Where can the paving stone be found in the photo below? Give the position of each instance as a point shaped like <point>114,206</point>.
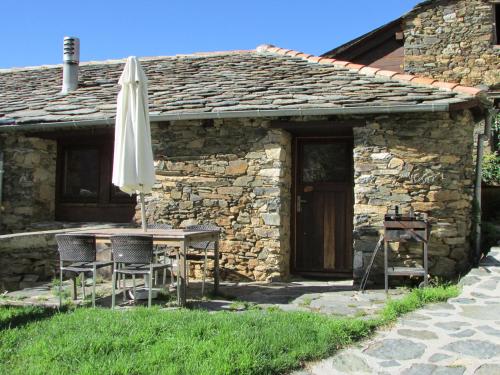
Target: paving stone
<point>469,280</point>
<point>449,370</point>
<point>463,301</point>
<point>465,333</point>
<point>439,313</point>
<point>489,330</point>
<point>420,369</point>
<point>474,348</point>
<point>416,316</point>
<point>488,284</point>
<point>391,363</point>
<point>480,295</point>
<point>440,306</point>
<point>452,326</point>
<point>488,369</point>
<point>397,349</point>
<point>350,363</point>
<point>420,334</point>
<point>438,357</point>
<point>427,369</point>
<point>411,323</point>
<point>490,312</point>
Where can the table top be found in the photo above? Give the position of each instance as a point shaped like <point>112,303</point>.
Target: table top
<point>175,234</point>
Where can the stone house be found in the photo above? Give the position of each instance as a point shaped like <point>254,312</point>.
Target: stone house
<point>296,157</point>
<point>447,40</point>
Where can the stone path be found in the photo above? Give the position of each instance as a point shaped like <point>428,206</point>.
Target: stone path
<point>328,297</point>
<point>459,337</point>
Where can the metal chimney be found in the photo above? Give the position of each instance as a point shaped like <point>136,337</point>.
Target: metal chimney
<point>71,58</point>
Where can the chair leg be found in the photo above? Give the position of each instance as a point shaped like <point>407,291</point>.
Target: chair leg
<point>156,271</point>
<point>178,278</point>
<point>165,269</point>
<point>124,287</point>
<point>150,291</point>
<point>94,271</point>
<point>133,287</point>
<point>60,283</point>
<point>74,288</point>
<point>204,275</point>
<point>82,277</point>
<point>171,273</point>
<point>113,285</point>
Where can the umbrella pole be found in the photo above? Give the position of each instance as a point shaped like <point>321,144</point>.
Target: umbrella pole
<point>143,213</point>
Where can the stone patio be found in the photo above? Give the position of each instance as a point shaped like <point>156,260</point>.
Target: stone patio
<point>459,337</point>
<point>328,297</point>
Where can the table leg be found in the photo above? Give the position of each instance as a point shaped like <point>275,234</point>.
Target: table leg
<point>74,289</point>
<point>216,266</point>
<point>182,275</point>
<point>386,266</point>
<point>426,264</point>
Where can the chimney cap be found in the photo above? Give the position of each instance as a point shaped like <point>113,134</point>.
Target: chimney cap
<point>71,49</point>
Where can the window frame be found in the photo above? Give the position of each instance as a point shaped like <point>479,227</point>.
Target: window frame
<point>108,205</point>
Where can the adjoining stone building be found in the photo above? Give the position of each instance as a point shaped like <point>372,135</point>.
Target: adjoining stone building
<point>296,157</point>
<point>448,40</point>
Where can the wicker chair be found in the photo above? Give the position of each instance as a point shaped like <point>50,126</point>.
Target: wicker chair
<point>79,251</point>
<point>203,246</point>
<point>133,255</point>
<point>159,250</point>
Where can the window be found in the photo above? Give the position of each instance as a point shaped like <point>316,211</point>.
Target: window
<point>84,189</point>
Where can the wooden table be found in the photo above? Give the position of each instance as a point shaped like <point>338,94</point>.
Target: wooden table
<point>172,237</point>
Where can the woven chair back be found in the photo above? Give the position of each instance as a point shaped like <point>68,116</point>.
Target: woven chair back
<point>132,249</point>
<point>159,226</point>
<point>201,245</point>
<point>76,247</point>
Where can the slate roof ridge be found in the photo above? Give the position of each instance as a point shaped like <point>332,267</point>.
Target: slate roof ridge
<point>371,71</point>
<point>123,60</point>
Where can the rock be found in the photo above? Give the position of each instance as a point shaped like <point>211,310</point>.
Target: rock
<point>465,333</point>
<point>452,326</point>
<point>474,348</point>
<point>396,349</point>
<point>438,357</point>
<point>490,312</point>
<point>271,219</point>
<point>237,167</point>
<point>489,330</point>
<point>427,369</point>
<point>420,334</point>
<point>350,363</point>
<point>488,369</point>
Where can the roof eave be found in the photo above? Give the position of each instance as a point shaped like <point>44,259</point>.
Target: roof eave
<point>292,112</point>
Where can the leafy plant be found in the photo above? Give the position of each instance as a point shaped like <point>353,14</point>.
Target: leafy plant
<point>491,168</point>
<point>491,161</point>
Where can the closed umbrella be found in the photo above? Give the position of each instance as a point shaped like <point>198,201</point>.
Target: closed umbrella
<point>133,169</point>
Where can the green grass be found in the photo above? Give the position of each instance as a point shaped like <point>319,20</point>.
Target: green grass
<point>142,341</point>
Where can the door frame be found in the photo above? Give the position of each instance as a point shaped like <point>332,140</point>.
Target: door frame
<point>296,163</point>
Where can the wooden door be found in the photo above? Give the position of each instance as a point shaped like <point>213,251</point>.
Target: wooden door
<point>323,206</point>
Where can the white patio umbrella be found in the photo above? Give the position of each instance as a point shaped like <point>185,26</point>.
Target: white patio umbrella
<point>133,169</point>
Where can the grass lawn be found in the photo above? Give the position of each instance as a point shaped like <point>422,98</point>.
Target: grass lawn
<point>142,341</point>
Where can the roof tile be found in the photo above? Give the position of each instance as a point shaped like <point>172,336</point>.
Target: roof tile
<point>369,70</point>
<point>212,82</point>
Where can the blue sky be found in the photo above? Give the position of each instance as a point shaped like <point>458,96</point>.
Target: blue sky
<point>32,30</point>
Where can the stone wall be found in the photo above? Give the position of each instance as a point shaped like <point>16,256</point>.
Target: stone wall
<point>28,183</point>
<point>235,173</point>
<point>424,162</point>
<point>453,40</point>
<point>25,259</point>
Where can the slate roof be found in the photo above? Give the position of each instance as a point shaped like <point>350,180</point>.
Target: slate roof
<point>265,79</point>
